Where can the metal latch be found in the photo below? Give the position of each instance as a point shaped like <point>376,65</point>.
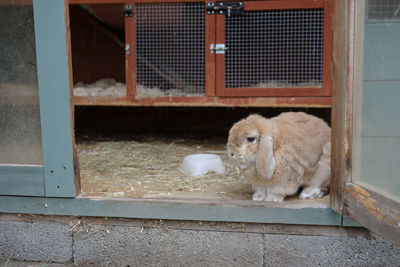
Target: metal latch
<point>128,10</point>
<point>227,8</point>
<point>218,48</point>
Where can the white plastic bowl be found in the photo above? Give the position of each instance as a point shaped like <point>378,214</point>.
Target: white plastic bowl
<point>200,164</point>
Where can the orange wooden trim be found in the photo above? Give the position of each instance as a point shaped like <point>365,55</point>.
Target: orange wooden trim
<point>220,58</point>
<point>327,49</point>
<point>206,101</point>
<point>210,57</point>
<point>130,58</point>
<point>280,5</point>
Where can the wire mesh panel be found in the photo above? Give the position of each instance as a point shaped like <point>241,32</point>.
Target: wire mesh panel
<point>170,49</point>
<point>275,49</point>
<point>383,10</point>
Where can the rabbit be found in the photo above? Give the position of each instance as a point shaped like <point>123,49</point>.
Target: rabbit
<point>282,154</point>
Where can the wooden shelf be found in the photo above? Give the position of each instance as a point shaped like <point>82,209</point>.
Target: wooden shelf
<point>323,102</point>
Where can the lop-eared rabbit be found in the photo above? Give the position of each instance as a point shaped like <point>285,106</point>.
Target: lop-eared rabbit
<point>282,154</point>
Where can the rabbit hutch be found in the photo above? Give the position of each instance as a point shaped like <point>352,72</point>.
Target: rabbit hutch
<point>118,92</point>
<point>184,72</point>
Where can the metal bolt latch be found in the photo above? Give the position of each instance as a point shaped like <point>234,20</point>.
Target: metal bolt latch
<point>218,48</point>
<point>227,8</point>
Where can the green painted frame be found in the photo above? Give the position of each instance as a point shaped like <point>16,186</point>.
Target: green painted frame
<point>25,180</point>
<point>54,96</point>
<point>56,177</point>
<point>246,211</point>
<point>54,186</point>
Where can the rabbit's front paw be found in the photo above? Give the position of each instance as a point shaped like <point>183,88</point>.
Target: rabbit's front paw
<point>274,198</point>
<point>259,194</point>
<point>311,193</point>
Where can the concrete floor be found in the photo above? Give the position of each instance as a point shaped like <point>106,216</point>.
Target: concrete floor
<point>70,241</point>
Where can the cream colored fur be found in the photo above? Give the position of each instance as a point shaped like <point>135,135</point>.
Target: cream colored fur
<point>282,154</point>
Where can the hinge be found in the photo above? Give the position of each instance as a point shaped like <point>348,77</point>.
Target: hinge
<point>227,8</point>
<point>128,10</point>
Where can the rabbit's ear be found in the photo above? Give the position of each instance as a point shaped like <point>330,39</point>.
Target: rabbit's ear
<point>265,162</point>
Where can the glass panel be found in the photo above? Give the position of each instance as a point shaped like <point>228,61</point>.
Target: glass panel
<point>170,49</point>
<point>378,129</point>
<point>275,48</point>
<point>20,134</point>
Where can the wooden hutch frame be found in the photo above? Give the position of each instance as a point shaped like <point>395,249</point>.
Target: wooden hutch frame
<point>216,94</point>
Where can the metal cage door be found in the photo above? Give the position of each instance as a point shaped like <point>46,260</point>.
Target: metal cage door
<point>274,48</point>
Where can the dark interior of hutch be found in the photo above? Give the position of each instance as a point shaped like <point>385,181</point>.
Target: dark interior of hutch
<point>154,82</point>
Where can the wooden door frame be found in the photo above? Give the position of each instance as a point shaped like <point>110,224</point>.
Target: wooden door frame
<point>343,43</point>
<point>58,176</point>
<point>377,213</point>
<point>54,69</point>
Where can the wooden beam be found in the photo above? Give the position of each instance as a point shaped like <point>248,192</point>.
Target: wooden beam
<point>210,21</point>
<point>77,181</point>
<point>54,95</point>
<point>327,49</point>
<point>130,56</point>
<point>239,211</point>
<point>380,215</point>
<point>342,40</point>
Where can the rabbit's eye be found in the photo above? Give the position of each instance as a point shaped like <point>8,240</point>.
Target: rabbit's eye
<point>251,139</point>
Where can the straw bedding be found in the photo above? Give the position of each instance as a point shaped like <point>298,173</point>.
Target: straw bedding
<point>112,88</point>
<point>147,167</point>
